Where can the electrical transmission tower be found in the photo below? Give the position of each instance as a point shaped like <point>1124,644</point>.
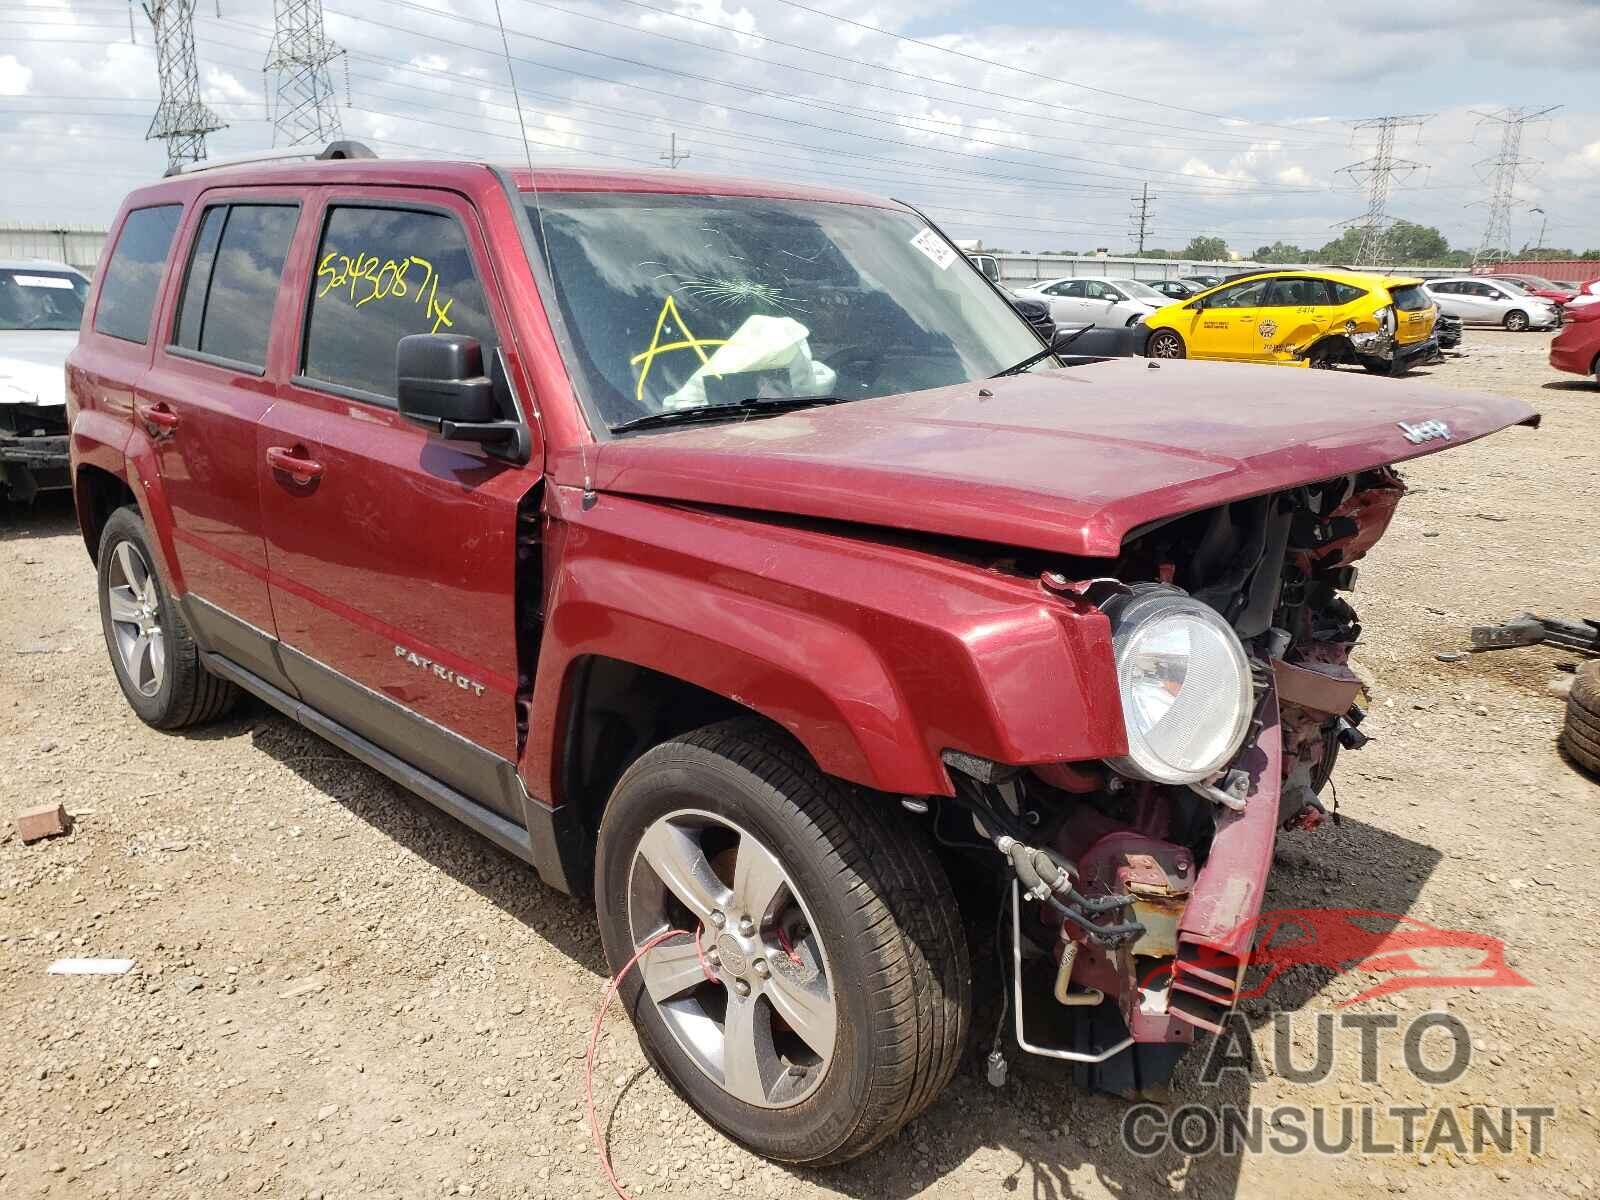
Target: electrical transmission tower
<point>1141,215</point>
<point>182,119</point>
<point>1380,171</point>
<point>671,156</point>
<point>1505,172</point>
<point>304,108</point>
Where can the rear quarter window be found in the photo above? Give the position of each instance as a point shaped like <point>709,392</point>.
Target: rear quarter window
<point>1344,293</point>
<point>381,274</point>
<point>133,275</point>
<point>235,271</point>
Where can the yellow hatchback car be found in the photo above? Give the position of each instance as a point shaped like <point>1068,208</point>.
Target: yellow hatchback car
<point>1302,318</point>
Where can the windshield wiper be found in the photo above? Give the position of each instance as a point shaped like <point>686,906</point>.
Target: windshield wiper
<point>1057,345</point>
<point>750,406</point>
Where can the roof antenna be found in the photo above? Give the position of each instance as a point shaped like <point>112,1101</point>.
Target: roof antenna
<point>516,98</point>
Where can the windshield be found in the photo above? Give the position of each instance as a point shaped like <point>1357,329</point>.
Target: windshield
<point>1538,281</point>
<point>676,302</point>
<point>41,299</point>
<point>1512,286</point>
<point>1139,291</point>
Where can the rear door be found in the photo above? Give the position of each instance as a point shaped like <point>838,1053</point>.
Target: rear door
<point>1294,315</point>
<point>392,554</point>
<point>206,390</point>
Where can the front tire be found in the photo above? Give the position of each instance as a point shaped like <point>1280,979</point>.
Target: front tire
<point>152,652</point>
<point>1516,321</point>
<point>1165,343</point>
<point>833,1004</point>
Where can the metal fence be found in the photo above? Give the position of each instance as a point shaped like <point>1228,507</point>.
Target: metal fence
<point>1023,269</point>
<point>76,245</point>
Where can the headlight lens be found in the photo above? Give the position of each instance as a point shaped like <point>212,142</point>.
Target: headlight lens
<point>1185,685</point>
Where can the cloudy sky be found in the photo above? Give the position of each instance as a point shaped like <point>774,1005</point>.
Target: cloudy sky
<point>1028,126</point>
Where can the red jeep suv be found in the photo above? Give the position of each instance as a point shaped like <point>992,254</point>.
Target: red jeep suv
<point>737,552</point>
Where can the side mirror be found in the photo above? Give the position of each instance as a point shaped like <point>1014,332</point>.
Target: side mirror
<point>1197,305</point>
<point>442,387</point>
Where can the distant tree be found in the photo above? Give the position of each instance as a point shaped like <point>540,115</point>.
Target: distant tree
<point>1590,254</point>
<point>1406,244</point>
<point>1281,252</point>
<point>1206,249</point>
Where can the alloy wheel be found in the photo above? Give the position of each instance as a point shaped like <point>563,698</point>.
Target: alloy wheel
<point>1165,346</point>
<point>749,997</point>
<point>135,608</point>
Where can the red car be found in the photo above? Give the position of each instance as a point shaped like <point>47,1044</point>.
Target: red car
<point>1577,347</point>
<point>736,553</point>
<point>1556,293</point>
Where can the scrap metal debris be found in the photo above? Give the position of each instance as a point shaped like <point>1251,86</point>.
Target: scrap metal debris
<point>1532,630</point>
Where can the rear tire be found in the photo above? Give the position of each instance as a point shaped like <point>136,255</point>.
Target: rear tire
<point>1165,343</point>
<point>1516,321</point>
<point>152,652</point>
<point>874,929</point>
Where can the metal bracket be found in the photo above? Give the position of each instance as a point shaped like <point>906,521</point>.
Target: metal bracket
<point>1016,985</point>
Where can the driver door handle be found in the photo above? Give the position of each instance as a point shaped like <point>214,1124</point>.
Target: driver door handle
<point>157,417</point>
<point>294,463</point>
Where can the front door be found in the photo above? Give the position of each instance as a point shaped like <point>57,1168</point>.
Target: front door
<point>393,555</point>
<point>206,389</point>
<point>1229,325</point>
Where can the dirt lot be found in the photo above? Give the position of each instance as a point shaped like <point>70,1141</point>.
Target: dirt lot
<point>340,992</point>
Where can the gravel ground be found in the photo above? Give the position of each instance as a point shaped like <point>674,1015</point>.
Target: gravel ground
<point>339,992</point>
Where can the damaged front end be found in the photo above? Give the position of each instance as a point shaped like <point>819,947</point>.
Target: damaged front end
<point>1134,884</point>
<point>33,450</point>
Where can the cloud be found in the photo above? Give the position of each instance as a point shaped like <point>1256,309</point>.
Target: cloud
<point>15,79</point>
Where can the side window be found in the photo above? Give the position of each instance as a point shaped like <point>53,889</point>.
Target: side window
<point>384,273</point>
<point>1444,289</point>
<point>1096,290</point>
<point>1296,293</point>
<point>197,281</point>
<point>1344,293</point>
<point>133,276</point>
<point>234,275</point>
<point>1245,295</point>
<point>1076,289</point>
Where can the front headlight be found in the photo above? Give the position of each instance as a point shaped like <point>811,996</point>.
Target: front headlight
<point>1185,685</point>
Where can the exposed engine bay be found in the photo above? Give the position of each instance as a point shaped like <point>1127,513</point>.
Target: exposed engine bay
<point>1145,891</point>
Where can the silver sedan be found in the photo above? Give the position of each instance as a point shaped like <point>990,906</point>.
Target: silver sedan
<point>1493,302</point>
<point>1099,302</point>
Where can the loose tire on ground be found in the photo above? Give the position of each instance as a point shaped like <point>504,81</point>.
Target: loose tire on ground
<point>162,676</point>
<point>1165,343</point>
<point>879,911</point>
<point>1580,737</point>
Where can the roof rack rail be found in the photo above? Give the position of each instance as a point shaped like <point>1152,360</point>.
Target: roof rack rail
<point>333,150</point>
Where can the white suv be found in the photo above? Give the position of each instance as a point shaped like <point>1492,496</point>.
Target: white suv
<point>41,305</point>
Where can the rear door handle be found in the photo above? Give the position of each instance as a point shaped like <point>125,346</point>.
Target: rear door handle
<point>157,416</point>
<point>293,463</point>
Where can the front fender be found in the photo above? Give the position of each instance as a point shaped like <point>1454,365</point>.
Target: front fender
<point>876,657</point>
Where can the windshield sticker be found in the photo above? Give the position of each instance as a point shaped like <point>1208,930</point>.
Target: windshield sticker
<point>670,325</point>
<point>373,278</point>
<point>43,281</point>
<point>934,247</point>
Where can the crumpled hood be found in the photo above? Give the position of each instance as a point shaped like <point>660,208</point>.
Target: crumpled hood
<point>33,365</point>
<point>1067,460</point>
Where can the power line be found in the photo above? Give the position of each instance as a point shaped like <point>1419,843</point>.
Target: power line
<point>859,112</point>
<point>900,37</point>
<point>1380,170</point>
<point>181,119</point>
<point>1505,172</point>
<point>304,108</point>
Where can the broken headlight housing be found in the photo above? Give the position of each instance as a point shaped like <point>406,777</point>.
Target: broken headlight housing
<point>1185,684</point>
